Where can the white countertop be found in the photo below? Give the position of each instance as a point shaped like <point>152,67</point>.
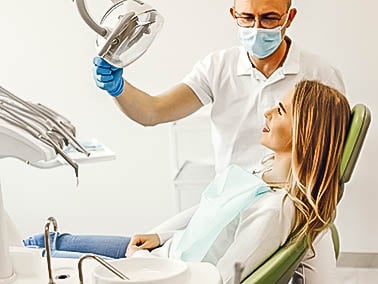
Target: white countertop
<point>67,271</point>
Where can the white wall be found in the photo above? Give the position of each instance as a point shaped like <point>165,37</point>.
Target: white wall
<point>46,54</point>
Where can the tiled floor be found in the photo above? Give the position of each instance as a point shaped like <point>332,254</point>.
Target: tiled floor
<point>350,275</point>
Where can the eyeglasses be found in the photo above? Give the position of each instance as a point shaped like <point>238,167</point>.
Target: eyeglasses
<point>266,21</point>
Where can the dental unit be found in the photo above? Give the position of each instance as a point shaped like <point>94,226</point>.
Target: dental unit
<point>43,138</point>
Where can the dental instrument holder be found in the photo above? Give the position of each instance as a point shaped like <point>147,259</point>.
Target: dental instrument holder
<point>126,30</point>
<point>30,132</point>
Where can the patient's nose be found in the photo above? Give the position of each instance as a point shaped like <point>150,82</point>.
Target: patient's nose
<point>268,113</point>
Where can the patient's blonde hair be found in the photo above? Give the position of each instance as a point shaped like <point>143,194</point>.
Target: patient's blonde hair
<point>320,122</point>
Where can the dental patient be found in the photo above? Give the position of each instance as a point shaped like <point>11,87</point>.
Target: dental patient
<point>245,217</point>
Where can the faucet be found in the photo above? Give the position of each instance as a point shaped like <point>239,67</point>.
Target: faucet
<point>47,245</point>
<point>103,262</point>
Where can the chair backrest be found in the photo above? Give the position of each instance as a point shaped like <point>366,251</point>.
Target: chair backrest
<point>358,127</point>
<point>280,267</point>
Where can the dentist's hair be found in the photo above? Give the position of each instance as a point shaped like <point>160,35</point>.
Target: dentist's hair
<point>320,123</point>
<point>287,1</point>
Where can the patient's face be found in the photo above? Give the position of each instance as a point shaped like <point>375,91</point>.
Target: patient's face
<point>277,133</point>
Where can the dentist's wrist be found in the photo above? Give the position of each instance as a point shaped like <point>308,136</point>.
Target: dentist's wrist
<point>118,90</point>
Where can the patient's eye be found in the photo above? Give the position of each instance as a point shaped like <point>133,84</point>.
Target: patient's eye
<point>279,111</point>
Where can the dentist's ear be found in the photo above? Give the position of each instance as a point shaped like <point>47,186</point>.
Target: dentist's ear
<point>232,12</point>
<point>292,13</point>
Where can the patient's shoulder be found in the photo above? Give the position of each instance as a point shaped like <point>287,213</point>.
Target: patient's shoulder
<point>275,202</point>
<point>274,212</point>
<point>275,199</point>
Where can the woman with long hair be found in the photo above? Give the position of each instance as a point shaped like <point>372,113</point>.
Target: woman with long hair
<point>245,217</point>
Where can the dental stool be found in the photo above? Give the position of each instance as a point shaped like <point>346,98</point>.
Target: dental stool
<point>280,267</point>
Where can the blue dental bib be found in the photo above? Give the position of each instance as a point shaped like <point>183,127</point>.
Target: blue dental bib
<point>224,198</point>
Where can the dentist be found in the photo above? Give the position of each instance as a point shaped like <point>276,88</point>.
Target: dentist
<point>240,82</point>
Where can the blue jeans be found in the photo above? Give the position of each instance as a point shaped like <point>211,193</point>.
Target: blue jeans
<point>75,246</point>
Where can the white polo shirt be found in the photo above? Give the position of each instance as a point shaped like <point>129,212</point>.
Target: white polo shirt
<point>240,95</point>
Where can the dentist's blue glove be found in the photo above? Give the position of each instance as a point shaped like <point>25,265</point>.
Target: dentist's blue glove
<point>107,76</point>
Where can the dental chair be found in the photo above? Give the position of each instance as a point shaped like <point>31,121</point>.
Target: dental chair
<point>280,267</point>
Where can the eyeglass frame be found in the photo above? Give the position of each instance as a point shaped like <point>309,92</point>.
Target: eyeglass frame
<point>258,19</point>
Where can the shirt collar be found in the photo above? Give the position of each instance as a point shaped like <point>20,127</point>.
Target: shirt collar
<point>290,66</point>
<point>244,66</point>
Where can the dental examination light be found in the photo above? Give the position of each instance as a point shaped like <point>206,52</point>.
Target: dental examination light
<point>126,30</point>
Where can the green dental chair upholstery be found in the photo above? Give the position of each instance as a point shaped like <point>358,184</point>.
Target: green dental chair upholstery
<point>280,267</point>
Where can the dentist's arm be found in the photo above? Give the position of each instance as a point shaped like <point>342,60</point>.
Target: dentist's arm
<point>141,107</point>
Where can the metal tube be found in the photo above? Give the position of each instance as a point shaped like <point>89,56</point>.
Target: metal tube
<point>47,245</point>
<point>81,6</point>
<point>67,133</point>
<point>104,263</point>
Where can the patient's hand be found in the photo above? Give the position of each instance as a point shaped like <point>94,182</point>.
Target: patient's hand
<point>139,242</point>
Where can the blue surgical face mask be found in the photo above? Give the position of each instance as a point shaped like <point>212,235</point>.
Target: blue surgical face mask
<point>260,42</point>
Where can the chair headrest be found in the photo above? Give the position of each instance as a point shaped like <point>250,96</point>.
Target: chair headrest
<point>359,124</point>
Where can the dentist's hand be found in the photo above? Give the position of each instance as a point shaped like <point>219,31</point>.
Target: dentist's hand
<point>107,76</point>
<point>139,242</point>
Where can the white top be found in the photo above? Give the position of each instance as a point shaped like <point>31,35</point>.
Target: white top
<point>250,238</point>
<point>240,95</point>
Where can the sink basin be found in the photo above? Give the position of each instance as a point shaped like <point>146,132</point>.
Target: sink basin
<point>144,270</point>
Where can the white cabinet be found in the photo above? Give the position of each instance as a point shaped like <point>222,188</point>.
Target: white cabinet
<point>192,158</point>
<point>191,179</point>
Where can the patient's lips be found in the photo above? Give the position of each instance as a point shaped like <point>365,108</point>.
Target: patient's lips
<point>266,129</point>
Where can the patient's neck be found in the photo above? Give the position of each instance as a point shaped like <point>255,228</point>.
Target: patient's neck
<point>279,171</point>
